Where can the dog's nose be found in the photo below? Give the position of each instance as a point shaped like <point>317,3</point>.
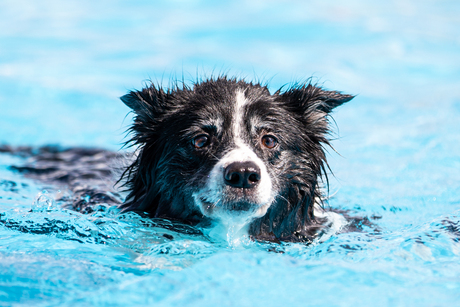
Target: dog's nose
<point>242,175</point>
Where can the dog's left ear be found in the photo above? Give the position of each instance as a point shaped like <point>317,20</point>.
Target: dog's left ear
<point>311,99</point>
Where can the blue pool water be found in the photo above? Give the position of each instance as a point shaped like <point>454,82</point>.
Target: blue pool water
<point>63,65</point>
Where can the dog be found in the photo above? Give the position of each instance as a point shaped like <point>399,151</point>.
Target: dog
<point>228,151</point>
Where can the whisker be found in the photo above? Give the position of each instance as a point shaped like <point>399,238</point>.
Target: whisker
<point>282,197</point>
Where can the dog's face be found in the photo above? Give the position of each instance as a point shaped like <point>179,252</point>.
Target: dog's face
<point>237,142</point>
<point>228,150</point>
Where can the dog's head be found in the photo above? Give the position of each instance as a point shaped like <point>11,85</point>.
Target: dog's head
<point>230,150</point>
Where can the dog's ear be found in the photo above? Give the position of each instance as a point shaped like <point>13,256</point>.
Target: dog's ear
<point>147,104</point>
<point>311,99</point>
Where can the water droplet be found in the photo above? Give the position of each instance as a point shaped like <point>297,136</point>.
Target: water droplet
<point>44,202</point>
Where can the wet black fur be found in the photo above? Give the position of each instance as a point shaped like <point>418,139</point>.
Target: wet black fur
<point>168,169</point>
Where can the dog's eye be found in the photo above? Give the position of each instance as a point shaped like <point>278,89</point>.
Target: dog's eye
<point>269,141</point>
<point>200,141</point>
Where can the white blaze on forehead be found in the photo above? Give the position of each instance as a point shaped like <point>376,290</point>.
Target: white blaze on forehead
<point>238,118</point>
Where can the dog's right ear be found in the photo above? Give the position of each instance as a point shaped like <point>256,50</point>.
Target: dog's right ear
<point>147,104</point>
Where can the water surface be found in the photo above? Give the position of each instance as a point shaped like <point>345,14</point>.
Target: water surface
<point>64,65</point>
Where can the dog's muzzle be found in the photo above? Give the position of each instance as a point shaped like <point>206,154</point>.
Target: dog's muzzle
<point>238,186</point>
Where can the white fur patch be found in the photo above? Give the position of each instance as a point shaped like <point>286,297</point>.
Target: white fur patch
<point>335,222</point>
<point>238,122</point>
<point>243,154</point>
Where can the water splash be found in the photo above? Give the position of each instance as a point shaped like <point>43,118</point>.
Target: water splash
<point>44,202</point>
<point>237,235</point>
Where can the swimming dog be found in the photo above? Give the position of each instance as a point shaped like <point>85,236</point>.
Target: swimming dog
<point>228,150</point>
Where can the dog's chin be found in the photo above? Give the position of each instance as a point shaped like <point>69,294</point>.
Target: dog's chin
<point>237,212</point>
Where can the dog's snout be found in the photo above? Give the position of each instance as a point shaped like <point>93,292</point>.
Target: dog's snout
<point>242,175</point>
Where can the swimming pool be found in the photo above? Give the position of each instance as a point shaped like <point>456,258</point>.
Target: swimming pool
<point>62,67</point>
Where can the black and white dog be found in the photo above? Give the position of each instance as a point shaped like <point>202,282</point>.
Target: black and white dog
<point>229,151</point>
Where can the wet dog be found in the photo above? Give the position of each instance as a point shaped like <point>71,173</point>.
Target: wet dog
<point>229,151</point>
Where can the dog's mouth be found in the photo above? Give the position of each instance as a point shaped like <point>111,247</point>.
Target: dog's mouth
<point>240,209</point>
<point>236,207</point>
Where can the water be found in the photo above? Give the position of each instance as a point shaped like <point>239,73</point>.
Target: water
<point>62,67</point>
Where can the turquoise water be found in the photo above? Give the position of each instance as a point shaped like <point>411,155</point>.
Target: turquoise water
<point>64,65</point>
